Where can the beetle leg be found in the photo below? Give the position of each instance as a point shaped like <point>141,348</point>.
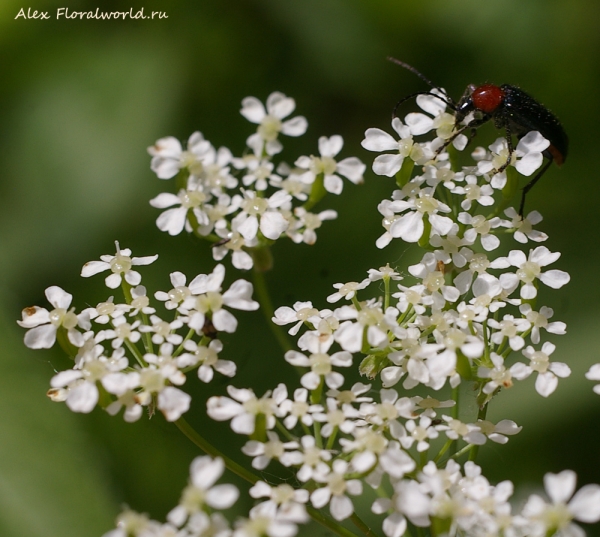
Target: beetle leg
<point>450,140</point>
<point>529,185</point>
<point>474,125</point>
<point>509,144</point>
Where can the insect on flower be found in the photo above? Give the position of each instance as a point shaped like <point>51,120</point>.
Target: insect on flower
<point>511,109</point>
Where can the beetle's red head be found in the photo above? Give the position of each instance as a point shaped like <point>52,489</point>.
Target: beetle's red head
<point>487,98</point>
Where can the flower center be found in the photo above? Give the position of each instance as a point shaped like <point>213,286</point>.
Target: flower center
<point>320,363</point>
<point>120,263</point>
<point>179,294</point>
<point>529,271</point>
<point>426,204</point>
<point>434,280</point>
<point>269,128</point>
<point>192,198</point>
<point>255,206</point>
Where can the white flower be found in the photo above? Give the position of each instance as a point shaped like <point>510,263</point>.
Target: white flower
<point>498,433</point>
<point>511,329</point>
<point>346,290</point>
<point>303,312</point>
<point>351,168</point>
<point>177,295</point>
<point>202,491</point>
<point>409,501</point>
<point>264,452</point>
<point>283,496</point>
<point>480,225</point>
<point>270,122</point>
<point>208,358</point>
<point>527,157</point>
<point>81,393</point>
<point>540,320</point>
<point>120,264</point>
<point>168,157</point>
<point>174,220</point>
<point>594,374</point>
<point>378,140</point>
<point>206,299</point>
<point>334,493</point>
<point>163,331</point>
<point>311,459</point>
<point>524,226</point>
<point>556,518</point>
<point>260,173</point>
<point>234,242</point>
<point>172,402</point>
<point>455,429</point>
<point>266,519</point>
<point>261,213</point>
<point>140,302</point>
<point>44,324</point>
<point>370,319</point>
<point>433,279</point>
<point>410,227</point>
<point>123,385</point>
<point>548,372</point>
<point>78,387</point>
<point>474,192</point>
<point>122,331</point>
<point>420,434</point>
<point>499,375</point>
<point>529,270</point>
<point>297,409</point>
<point>242,410</point>
<point>321,365</point>
<point>529,152</point>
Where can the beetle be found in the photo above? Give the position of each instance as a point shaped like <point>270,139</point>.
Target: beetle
<point>511,109</point>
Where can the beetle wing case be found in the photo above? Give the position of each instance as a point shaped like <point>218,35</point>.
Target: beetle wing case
<point>525,114</point>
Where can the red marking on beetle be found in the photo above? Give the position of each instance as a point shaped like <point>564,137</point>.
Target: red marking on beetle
<point>559,158</point>
<point>487,97</point>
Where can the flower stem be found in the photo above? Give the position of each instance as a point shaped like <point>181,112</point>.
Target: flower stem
<point>328,523</point>
<point>356,520</point>
<point>266,305</point>
<point>211,450</point>
<point>480,416</point>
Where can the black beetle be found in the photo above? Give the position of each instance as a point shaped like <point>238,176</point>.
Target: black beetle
<point>511,109</point>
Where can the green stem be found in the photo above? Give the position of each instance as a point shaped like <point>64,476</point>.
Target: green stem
<point>331,439</point>
<point>136,353</point>
<point>317,192</point>
<point>455,414</point>
<point>328,523</point>
<point>480,416</point>
<point>464,450</point>
<point>356,520</point>
<point>445,448</point>
<point>211,450</point>
<point>386,300</point>
<point>266,305</point>
<point>179,349</point>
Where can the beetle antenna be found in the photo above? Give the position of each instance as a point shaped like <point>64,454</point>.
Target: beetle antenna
<point>413,70</point>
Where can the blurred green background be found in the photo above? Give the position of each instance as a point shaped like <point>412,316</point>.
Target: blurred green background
<point>81,100</point>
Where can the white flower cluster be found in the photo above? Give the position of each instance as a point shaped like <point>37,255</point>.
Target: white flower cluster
<point>461,315</point>
<point>198,512</point>
<point>463,318</point>
<point>240,203</point>
<point>463,299</point>
<point>127,350</point>
<point>462,503</point>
